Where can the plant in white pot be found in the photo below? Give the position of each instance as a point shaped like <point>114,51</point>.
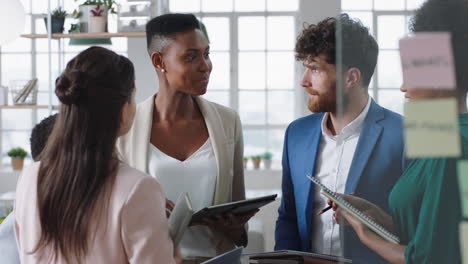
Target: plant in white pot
<point>98,22</point>
<point>17,156</point>
<point>266,157</point>
<point>85,13</point>
<point>245,161</point>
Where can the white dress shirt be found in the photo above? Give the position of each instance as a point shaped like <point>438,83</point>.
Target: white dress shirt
<point>197,176</point>
<point>334,159</point>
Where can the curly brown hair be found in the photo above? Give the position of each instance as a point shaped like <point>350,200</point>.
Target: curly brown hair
<point>359,48</point>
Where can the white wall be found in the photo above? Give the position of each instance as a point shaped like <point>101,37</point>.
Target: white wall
<point>8,181</point>
<point>311,12</point>
<point>146,78</point>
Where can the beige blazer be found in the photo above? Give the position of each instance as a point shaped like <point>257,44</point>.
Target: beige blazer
<point>133,229</point>
<point>225,131</point>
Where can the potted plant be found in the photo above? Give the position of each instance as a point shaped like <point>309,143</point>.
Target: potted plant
<point>97,22</point>
<point>57,20</point>
<point>75,27</point>
<point>85,12</point>
<point>17,156</point>
<point>256,161</point>
<point>245,160</point>
<point>267,159</point>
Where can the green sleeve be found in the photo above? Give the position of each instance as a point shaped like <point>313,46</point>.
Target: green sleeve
<point>436,236</point>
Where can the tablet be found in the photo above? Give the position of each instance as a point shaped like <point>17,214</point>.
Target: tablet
<point>230,257</point>
<point>235,208</point>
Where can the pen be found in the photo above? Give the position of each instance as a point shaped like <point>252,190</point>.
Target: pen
<point>324,210</point>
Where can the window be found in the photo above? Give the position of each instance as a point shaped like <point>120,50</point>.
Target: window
<point>24,59</point>
<point>388,21</point>
<point>252,45</point>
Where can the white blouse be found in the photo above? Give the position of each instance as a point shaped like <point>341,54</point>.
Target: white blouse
<point>197,176</point>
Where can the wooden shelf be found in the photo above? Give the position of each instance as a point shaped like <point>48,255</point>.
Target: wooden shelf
<point>88,35</point>
<point>55,107</point>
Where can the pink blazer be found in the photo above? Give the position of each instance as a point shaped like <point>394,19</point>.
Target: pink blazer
<point>134,230</point>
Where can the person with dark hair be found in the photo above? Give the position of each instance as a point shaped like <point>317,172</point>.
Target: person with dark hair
<point>40,134</point>
<point>80,203</point>
<point>425,202</point>
<point>350,143</point>
<point>186,142</point>
<point>38,139</point>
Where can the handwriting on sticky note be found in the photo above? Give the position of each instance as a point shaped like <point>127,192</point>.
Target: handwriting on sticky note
<point>462,171</point>
<point>430,61</point>
<point>431,128</point>
<point>427,61</point>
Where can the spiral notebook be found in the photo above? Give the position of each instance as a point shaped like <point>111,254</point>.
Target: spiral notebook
<point>363,218</point>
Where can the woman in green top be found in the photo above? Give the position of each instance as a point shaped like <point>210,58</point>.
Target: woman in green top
<point>425,202</point>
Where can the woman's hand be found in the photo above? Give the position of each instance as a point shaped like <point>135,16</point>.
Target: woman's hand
<point>230,225</point>
<point>360,229</point>
<point>371,210</point>
<point>393,253</point>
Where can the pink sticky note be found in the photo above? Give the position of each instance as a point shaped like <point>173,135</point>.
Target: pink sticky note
<point>427,61</point>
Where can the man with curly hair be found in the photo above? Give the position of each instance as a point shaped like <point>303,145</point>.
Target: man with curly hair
<point>350,143</point>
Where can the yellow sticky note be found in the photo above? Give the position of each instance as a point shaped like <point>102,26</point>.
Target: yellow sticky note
<point>431,128</point>
<point>462,172</point>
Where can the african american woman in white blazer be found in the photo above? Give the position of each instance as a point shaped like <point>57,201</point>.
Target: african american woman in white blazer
<point>186,142</point>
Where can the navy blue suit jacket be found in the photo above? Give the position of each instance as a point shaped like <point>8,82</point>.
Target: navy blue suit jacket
<point>377,164</point>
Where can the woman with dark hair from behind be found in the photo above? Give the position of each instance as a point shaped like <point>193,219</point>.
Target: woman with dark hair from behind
<point>80,204</point>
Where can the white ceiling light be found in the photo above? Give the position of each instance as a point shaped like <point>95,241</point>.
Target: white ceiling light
<point>12,20</point>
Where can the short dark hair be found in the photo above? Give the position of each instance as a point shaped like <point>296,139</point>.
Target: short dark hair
<point>40,134</point>
<point>359,48</point>
<point>447,16</point>
<point>164,27</point>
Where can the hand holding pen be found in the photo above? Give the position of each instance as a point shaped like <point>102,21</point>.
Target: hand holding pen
<point>324,209</point>
<point>331,205</point>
